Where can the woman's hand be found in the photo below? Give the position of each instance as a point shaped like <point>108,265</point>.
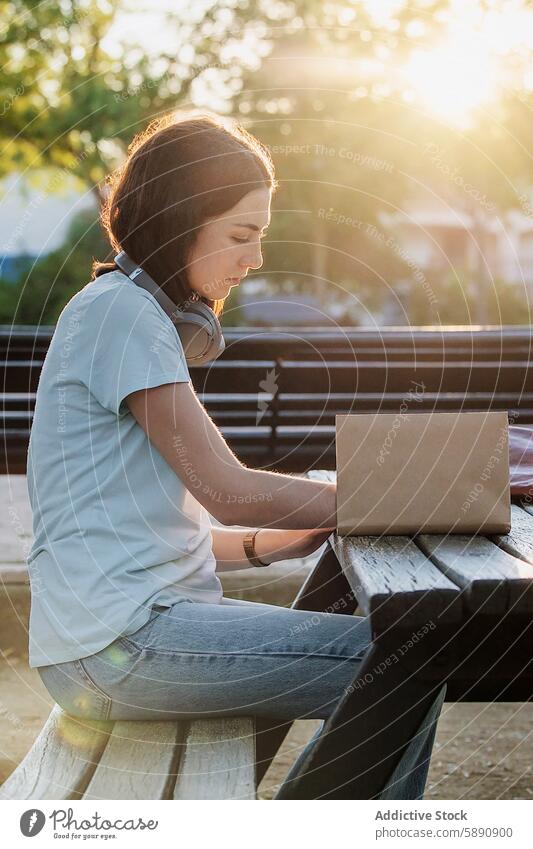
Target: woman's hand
<point>272,545</point>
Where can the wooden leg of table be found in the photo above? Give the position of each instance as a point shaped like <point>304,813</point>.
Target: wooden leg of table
<point>326,589</point>
<point>359,753</point>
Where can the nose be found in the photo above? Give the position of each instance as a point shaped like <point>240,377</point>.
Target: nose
<point>255,258</point>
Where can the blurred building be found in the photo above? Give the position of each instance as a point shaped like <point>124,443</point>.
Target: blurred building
<point>34,218</point>
<point>445,239</point>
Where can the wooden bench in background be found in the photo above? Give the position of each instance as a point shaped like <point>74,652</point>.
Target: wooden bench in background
<point>275,393</point>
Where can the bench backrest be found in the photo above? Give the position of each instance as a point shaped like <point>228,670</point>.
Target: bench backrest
<point>275,392</point>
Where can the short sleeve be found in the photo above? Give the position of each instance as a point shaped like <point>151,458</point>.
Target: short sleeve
<point>131,344</point>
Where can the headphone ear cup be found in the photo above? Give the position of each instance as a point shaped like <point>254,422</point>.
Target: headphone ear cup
<point>200,334</point>
<point>197,325</point>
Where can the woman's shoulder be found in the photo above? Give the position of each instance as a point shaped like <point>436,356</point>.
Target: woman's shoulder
<point>114,285</point>
<point>112,294</point>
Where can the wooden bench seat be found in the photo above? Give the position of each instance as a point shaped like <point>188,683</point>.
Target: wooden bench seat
<point>81,759</point>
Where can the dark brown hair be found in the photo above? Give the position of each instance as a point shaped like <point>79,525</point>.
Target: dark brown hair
<point>179,172</point>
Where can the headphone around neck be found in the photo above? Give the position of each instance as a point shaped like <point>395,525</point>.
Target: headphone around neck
<point>196,324</point>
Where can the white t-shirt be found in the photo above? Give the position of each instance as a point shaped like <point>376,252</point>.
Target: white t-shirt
<point>115,530</point>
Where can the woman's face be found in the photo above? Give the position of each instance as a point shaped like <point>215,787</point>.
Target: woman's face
<point>229,245</point>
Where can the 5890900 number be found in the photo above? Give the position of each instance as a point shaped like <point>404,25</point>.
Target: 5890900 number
<point>489,831</point>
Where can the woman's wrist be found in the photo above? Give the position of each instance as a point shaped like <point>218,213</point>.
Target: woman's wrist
<point>273,544</point>
<point>270,545</point>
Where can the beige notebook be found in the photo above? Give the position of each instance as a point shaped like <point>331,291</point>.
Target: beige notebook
<point>423,472</point>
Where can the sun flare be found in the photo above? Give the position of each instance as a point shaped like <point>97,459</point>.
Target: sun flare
<point>452,80</point>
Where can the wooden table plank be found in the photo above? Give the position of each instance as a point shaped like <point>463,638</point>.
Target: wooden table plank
<point>492,579</point>
<point>61,761</point>
<point>139,761</point>
<point>219,760</point>
<point>527,506</point>
<point>519,541</point>
<point>395,583</point>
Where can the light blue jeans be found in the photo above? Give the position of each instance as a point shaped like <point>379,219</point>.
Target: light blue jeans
<point>196,660</point>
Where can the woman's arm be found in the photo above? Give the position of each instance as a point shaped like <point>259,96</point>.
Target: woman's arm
<point>270,546</point>
<point>180,428</point>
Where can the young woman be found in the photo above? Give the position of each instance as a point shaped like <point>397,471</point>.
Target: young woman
<point>128,620</point>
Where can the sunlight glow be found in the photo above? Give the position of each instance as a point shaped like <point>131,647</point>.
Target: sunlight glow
<point>453,79</point>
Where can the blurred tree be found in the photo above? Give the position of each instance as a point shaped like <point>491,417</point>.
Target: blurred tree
<point>323,84</point>
<point>351,137</point>
<point>71,100</point>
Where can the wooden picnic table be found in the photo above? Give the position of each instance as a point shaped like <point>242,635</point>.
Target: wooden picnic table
<point>451,619</point>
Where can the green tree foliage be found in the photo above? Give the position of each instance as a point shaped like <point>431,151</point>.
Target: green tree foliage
<point>321,85</point>
<point>72,100</point>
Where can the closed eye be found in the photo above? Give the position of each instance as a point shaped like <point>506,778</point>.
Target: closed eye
<point>244,241</point>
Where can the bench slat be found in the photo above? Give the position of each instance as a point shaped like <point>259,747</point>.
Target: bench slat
<point>470,376</point>
<point>139,762</point>
<point>395,583</point>
<point>62,760</point>
<point>219,760</point>
<point>493,580</point>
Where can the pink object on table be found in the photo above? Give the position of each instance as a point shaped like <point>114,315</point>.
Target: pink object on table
<point>521,459</point>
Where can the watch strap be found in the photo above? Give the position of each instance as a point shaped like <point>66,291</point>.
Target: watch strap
<point>249,548</point>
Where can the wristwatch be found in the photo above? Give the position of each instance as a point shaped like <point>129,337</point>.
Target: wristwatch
<point>249,548</point>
